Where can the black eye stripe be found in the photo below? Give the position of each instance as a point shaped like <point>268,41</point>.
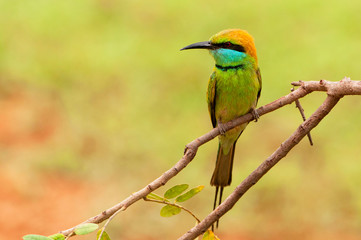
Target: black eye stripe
<point>230,45</point>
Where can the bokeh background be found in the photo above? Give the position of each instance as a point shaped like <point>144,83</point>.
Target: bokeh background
<point>96,100</point>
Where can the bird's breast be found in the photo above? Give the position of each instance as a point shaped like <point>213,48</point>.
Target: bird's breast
<point>236,93</point>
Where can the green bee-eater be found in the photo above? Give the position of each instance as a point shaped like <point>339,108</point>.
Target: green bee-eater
<point>233,90</point>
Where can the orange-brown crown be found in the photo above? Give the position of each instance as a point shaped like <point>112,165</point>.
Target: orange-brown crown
<point>238,37</point>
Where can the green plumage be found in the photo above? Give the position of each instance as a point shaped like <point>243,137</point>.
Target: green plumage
<point>231,93</point>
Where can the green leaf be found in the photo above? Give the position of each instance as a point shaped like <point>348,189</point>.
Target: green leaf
<point>189,194</point>
<point>57,236</point>
<point>209,235</point>
<point>169,210</point>
<point>105,235</point>
<point>155,197</point>
<point>175,191</point>
<point>85,228</point>
<point>35,237</point>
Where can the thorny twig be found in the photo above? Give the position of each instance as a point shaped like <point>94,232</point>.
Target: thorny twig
<point>302,112</point>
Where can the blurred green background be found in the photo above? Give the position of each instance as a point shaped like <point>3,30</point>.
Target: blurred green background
<point>96,100</point>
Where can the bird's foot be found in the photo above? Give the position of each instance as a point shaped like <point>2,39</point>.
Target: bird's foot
<point>222,128</point>
<point>255,114</point>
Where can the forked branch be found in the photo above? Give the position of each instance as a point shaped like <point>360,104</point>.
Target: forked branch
<point>257,174</point>
<point>335,91</point>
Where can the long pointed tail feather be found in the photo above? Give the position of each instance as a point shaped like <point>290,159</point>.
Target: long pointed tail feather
<point>222,175</point>
<point>215,204</point>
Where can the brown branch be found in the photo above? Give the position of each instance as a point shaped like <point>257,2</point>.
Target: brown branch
<point>335,91</point>
<point>344,87</point>
<point>341,88</point>
<point>257,174</point>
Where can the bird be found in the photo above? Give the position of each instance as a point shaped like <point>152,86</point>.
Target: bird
<point>233,90</point>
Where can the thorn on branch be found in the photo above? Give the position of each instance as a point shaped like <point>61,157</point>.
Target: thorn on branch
<point>190,150</point>
<point>299,83</point>
<point>346,79</point>
<point>322,82</point>
<point>302,112</point>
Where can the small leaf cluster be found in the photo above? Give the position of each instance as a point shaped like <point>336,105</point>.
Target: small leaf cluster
<point>81,229</point>
<point>172,208</point>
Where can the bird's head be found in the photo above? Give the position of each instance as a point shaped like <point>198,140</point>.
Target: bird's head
<point>229,47</point>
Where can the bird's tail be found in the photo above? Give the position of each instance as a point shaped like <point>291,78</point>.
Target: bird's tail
<point>222,175</point>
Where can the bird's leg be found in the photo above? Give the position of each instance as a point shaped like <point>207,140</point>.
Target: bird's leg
<point>255,114</point>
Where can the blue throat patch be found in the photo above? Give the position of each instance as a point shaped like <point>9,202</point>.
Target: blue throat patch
<point>228,57</point>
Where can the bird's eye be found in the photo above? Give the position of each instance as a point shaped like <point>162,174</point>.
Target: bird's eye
<point>227,44</point>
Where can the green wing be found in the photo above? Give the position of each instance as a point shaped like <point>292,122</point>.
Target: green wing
<point>211,99</point>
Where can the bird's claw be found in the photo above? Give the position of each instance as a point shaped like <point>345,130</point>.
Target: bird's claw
<point>221,128</point>
<point>255,115</point>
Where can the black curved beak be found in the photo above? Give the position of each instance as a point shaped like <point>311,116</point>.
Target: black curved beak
<point>199,45</point>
